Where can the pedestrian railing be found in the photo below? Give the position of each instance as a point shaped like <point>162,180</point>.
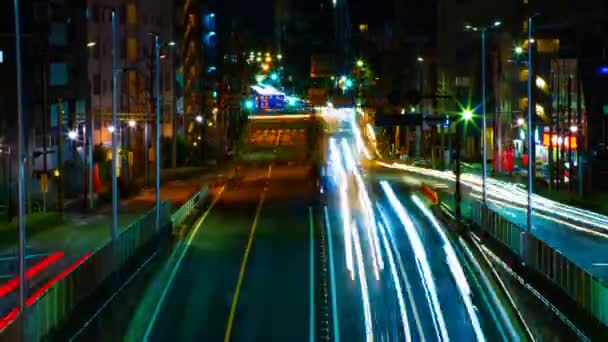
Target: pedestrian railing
<point>53,304</point>
<point>180,215</point>
<point>588,291</point>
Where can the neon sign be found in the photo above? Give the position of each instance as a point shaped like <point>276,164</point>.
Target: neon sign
<point>569,142</point>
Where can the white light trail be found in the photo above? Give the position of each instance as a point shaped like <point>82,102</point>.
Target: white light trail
<point>420,254</point>
<point>280,117</point>
<point>455,268</point>
<point>371,229</point>
<point>359,140</point>
<point>369,330</point>
<point>340,178</point>
<point>505,192</point>
<point>398,290</point>
<point>408,286</point>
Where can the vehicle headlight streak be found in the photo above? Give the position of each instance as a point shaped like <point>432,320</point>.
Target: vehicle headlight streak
<point>422,262</point>
<point>402,311</point>
<point>369,330</point>
<point>455,269</point>
<point>359,140</point>
<point>408,286</point>
<point>340,177</point>
<point>371,229</point>
<point>509,192</point>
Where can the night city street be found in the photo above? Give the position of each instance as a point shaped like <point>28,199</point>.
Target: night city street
<point>282,170</point>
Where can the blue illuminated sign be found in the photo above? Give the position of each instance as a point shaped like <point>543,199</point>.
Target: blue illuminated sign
<point>603,70</point>
<point>270,101</point>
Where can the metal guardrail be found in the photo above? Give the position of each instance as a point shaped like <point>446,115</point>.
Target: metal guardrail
<point>78,282</point>
<point>588,291</point>
<point>180,215</point>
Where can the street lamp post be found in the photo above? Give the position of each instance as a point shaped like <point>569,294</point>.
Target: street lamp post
<point>21,180</point>
<point>172,111</point>
<point>531,142</point>
<point>484,160</point>
<point>157,149</point>
<point>114,124</point>
<point>418,132</point>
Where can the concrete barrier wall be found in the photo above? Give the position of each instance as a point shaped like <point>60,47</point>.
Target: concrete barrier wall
<point>586,290</point>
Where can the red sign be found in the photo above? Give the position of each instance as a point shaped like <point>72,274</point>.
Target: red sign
<point>569,142</point>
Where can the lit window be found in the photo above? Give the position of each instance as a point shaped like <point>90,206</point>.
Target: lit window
<point>131,14</point>
<point>131,49</point>
<point>363,27</point>
<point>58,74</point>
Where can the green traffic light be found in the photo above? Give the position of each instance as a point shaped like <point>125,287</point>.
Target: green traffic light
<point>249,104</point>
<point>519,50</point>
<point>274,76</point>
<point>467,114</point>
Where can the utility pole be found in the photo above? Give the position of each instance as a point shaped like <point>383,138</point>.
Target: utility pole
<point>531,146</point>
<point>484,166</point>
<point>570,134</point>
<point>579,120</point>
<point>157,149</point>
<point>44,124</point>
<point>60,155</point>
<point>457,190</point>
<point>21,184</point>
<point>114,128</point>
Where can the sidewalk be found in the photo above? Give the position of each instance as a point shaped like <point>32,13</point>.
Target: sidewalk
<point>81,232</point>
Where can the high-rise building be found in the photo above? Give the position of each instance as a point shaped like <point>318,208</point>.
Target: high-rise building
<point>54,67</point>
<point>135,20</point>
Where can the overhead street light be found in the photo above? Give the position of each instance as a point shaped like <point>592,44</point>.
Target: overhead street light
<point>360,63</point>
<point>199,119</point>
<point>72,135</point>
<point>484,161</point>
<point>131,123</point>
<point>91,44</point>
<point>420,59</point>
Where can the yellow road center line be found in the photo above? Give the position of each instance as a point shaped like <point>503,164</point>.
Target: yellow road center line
<point>239,281</point>
<point>193,233</point>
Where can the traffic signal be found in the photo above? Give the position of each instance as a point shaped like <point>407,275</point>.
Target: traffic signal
<point>249,104</point>
<point>467,114</point>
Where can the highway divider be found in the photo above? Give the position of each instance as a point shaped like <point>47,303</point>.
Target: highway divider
<point>179,217</point>
<point>587,291</point>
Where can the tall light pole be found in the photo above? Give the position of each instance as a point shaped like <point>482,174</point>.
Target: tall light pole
<point>531,145</point>
<point>484,166</point>
<point>114,125</point>
<point>418,132</point>
<point>89,144</point>
<point>172,102</point>
<point>157,149</point>
<point>20,155</point>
